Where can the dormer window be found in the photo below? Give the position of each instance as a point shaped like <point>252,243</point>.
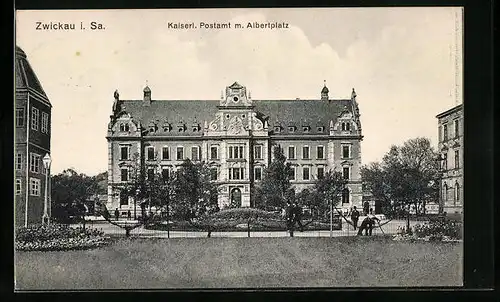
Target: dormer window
<point>196,128</point>
<point>180,128</point>
<point>124,127</point>
<point>291,128</point>
<point>346,126</point>
<point>277,129</point>
<point>321,129</point>
<point>152,127</point>
<point>167,127</point>
<point>306,128</point>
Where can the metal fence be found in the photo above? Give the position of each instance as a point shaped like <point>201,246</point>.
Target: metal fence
<point>175,230</point>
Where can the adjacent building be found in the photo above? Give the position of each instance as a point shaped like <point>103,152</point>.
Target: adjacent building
<point>32,142</point>
<point>235,136</point>
<point>451,146</point>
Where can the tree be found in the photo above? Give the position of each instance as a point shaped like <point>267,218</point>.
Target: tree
<point>193,189</point>
<point>70,191</point>
<point>275,188</point>
<point>407,176</point>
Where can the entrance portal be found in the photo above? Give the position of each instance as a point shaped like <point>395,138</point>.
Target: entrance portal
<point>236,197</point>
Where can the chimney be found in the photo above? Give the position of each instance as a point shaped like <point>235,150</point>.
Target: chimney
<point>147,96</point>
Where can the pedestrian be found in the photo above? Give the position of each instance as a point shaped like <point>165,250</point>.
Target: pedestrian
<point>117,213</point>
<point>372,218</point>
<point>129,214</point>
<point>297,217</point>
<point>355,217</point>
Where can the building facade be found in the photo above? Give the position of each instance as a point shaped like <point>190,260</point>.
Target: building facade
<point>32,142</point>
<point>450,146</point>
<point>235,136</point>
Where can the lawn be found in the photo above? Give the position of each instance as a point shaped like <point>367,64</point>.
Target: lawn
<point>243,262</point>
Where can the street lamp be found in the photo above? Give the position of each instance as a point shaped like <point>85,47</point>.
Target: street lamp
<point>440,159</point>
<point>46,163</point>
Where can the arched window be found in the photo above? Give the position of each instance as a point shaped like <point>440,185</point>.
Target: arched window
<point>122,127</point>
<point>345,195</point>
<point>457,192</point>
<point>445,192</point>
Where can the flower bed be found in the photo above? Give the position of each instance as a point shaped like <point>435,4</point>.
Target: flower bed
<point>434,230</point>
<point>58,237</point>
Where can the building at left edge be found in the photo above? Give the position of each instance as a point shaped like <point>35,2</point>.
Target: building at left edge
<point>32,142</point>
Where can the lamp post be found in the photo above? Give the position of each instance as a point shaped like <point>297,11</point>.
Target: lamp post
<point>46,163</point>
<point>440,159</point>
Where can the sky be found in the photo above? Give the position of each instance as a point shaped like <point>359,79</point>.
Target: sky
<point>405,64</point>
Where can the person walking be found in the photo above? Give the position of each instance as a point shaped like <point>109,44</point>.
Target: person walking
<point>117,213</point>
<point>355,217</point>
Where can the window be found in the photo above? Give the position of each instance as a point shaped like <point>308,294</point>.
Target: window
<point>345,172</point>
<point>257,152</point>
<point>291,128</point>
<point>457,159</point>
<point>445,161</point>
<point>321,172</point>
<point>165,173</point>
<point>123,198</point>
<point>34,163</point>
<point>320,152</point>
<point>213,173</point>
<point>457,192</point>
<point>214,152</point>
<point>345,195</point>
<point>445,192</point>
<point>124,174</point>
<point>34,187</point>
<point>45,122</point>
<point>457,129</point>
<point>19,117</point>
<point>151,173</point>
<point>150,153</point>
<point>277,129</point>
<point>124,127</point>
<point>346,151</point>
<point>34,118</point>
<point>291,173</point>
<point>236,173</point>
<point>305,173</point>
<point>124,151</point>
<point>236,152</point>
<point>18,186</point>
<point>305,152</point>
<point>165,153</point>
<point>19,161</point>
<point>258,173</point>
<point>321,129</point>
<point>445,132</point>
<point>291,152</point>
<point>306,128</point>
<point>180,153</point>
<point>346,126</point>
<point>195,153</point>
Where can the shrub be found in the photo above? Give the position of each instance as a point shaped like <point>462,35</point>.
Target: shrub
<point>57,237</point>
<point>439,229</point>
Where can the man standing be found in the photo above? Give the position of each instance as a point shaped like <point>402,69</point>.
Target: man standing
<point>117,213</point>
<point>297,216</point>
<point>371,222</point>
<point>355,217</point>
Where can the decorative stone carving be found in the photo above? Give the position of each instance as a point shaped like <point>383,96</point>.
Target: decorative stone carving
<point>235,125</point>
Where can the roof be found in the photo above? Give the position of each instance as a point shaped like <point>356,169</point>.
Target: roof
<point>25,75</point>
<point>313,113</point>
<point>325,89</point>
<point>449,111</point>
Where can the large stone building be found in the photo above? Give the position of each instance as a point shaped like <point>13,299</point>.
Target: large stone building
<point>32,142</point>
<point>451,146</point>
<point>236,136</point>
